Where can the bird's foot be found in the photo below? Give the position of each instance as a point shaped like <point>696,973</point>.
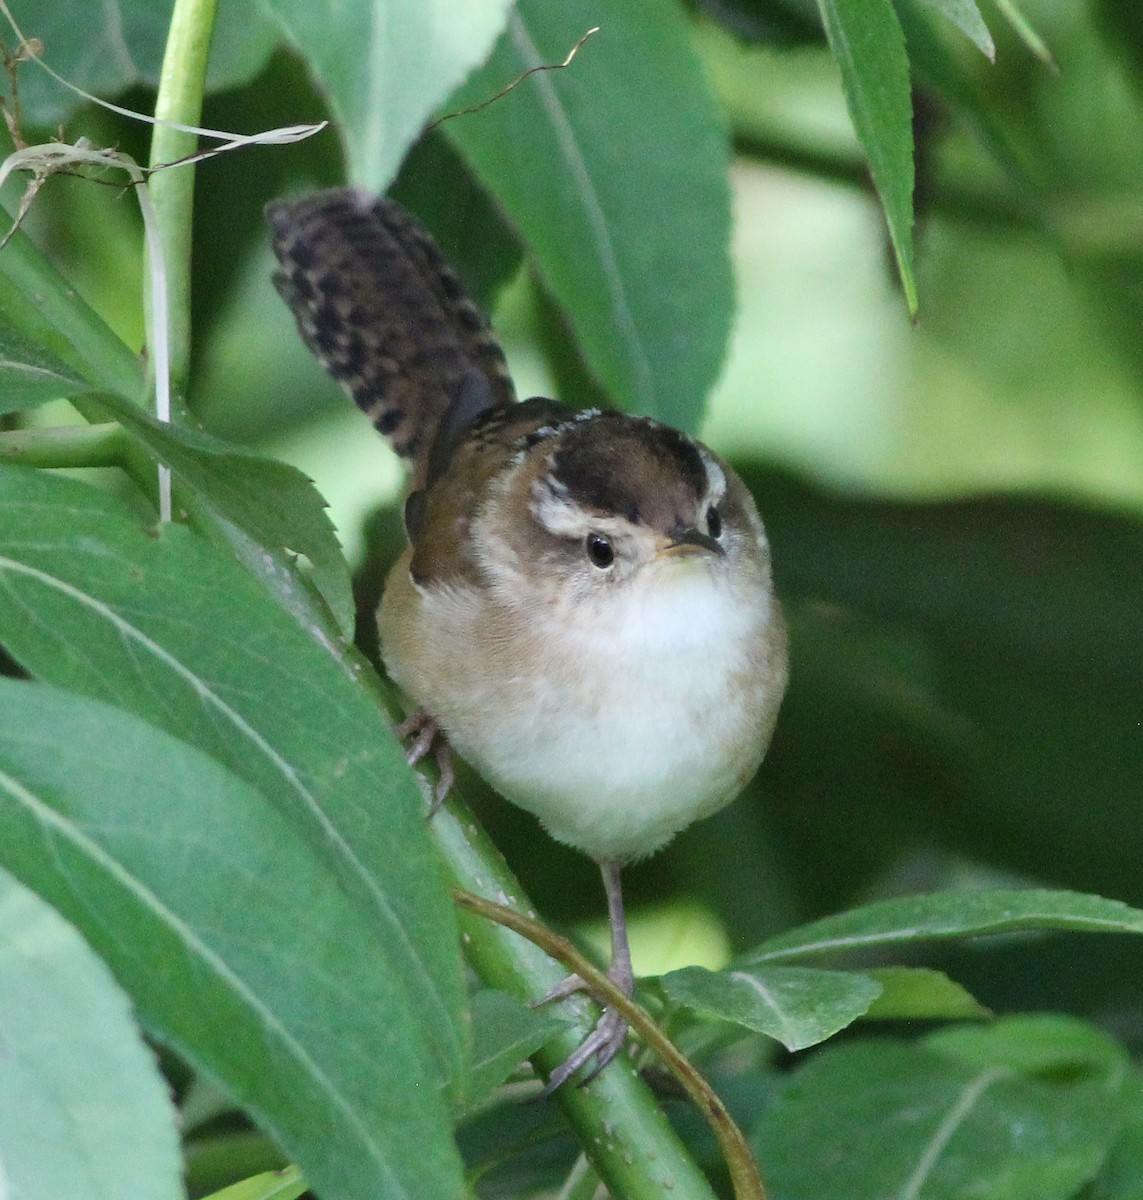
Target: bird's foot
<point>419,733</point>
<point>603,1044</point>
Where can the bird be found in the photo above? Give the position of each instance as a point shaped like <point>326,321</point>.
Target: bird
<point>585,609</point>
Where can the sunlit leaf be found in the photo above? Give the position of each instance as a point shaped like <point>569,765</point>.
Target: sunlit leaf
<point>921,994</point>
<point>386,65</point>
<point>965,15</point>
<point>270,1185</point>
<point>84,1111</point>
<point>798,1006</point>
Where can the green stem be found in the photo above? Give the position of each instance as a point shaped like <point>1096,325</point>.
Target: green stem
<point>617,1120</point>
<point>65,446</point>
<point>179,100</point>
<point>739,1160</point>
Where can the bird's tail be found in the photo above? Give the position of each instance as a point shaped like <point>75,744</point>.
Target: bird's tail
<point>387,317</point>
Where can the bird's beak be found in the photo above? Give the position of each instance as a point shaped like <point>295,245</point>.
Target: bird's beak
<point>687,542</point>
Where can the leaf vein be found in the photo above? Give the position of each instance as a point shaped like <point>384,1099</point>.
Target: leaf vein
<point>943,1133</point>
<point>613,276</point>
<point>135,638</point>
<point>51,822</point>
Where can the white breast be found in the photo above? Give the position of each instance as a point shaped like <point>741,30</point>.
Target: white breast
<point>615,727</point>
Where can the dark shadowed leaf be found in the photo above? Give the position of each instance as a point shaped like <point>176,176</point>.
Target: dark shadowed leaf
<point>30,374</point>
<point>120,44</point>
<point>919,1122</point>
<point>950,914</point>
<point>505,1032</point>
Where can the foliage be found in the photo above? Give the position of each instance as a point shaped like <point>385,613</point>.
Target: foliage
<point>216,880</point>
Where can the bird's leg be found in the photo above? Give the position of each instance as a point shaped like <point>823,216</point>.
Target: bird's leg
<point>607,1038</point>
<point>420,733</point>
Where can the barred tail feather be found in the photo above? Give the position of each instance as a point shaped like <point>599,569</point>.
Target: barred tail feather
<point>384,313</point>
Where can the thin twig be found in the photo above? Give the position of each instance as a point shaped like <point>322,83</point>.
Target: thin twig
<point>743,1169</point>
<point>466,112</point>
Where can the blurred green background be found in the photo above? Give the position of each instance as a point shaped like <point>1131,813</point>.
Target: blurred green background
<point>955,506</point>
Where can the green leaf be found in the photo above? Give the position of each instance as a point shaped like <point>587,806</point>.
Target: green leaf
<point>935,66</point>
<point>272,502</point>
<point>270,1185</point>
<point>84,1112</point>
<point>504,1033</point>
<point>921,994</point>
<point>1024,31</point>
<point>798,1006</point>
<point>119,45</point>
<point>966,17</point>
<point>164,625</point>
<point>473,235</point>
<point>614,172</point>
<point>997,644</point>
<point>941,915</point>
<point>912,1122</point>
<point>31,374</point>
<point>43,316</point>
<point>1122,1174</point>
<point>232,935</point>
<point>1043,1044</point>
<point>767,22</point>
<point>385,65</point>
<point>866,39</point>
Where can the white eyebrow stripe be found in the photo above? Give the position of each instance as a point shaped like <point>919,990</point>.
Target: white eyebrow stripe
<point>715,476</point>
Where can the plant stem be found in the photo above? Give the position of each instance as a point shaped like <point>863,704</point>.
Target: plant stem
<point>739,1160</point>
<point>179,100</point>
<point>619,1123</point>
<point>65,446</point>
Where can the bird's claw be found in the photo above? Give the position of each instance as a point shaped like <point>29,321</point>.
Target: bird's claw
<point>603,1044</point>
<point>420,733</point>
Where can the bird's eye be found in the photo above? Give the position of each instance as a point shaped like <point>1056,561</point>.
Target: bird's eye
<point>599,550</point>
<point>714,522</point>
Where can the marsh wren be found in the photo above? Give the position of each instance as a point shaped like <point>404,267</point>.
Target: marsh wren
<point>585,609</point>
